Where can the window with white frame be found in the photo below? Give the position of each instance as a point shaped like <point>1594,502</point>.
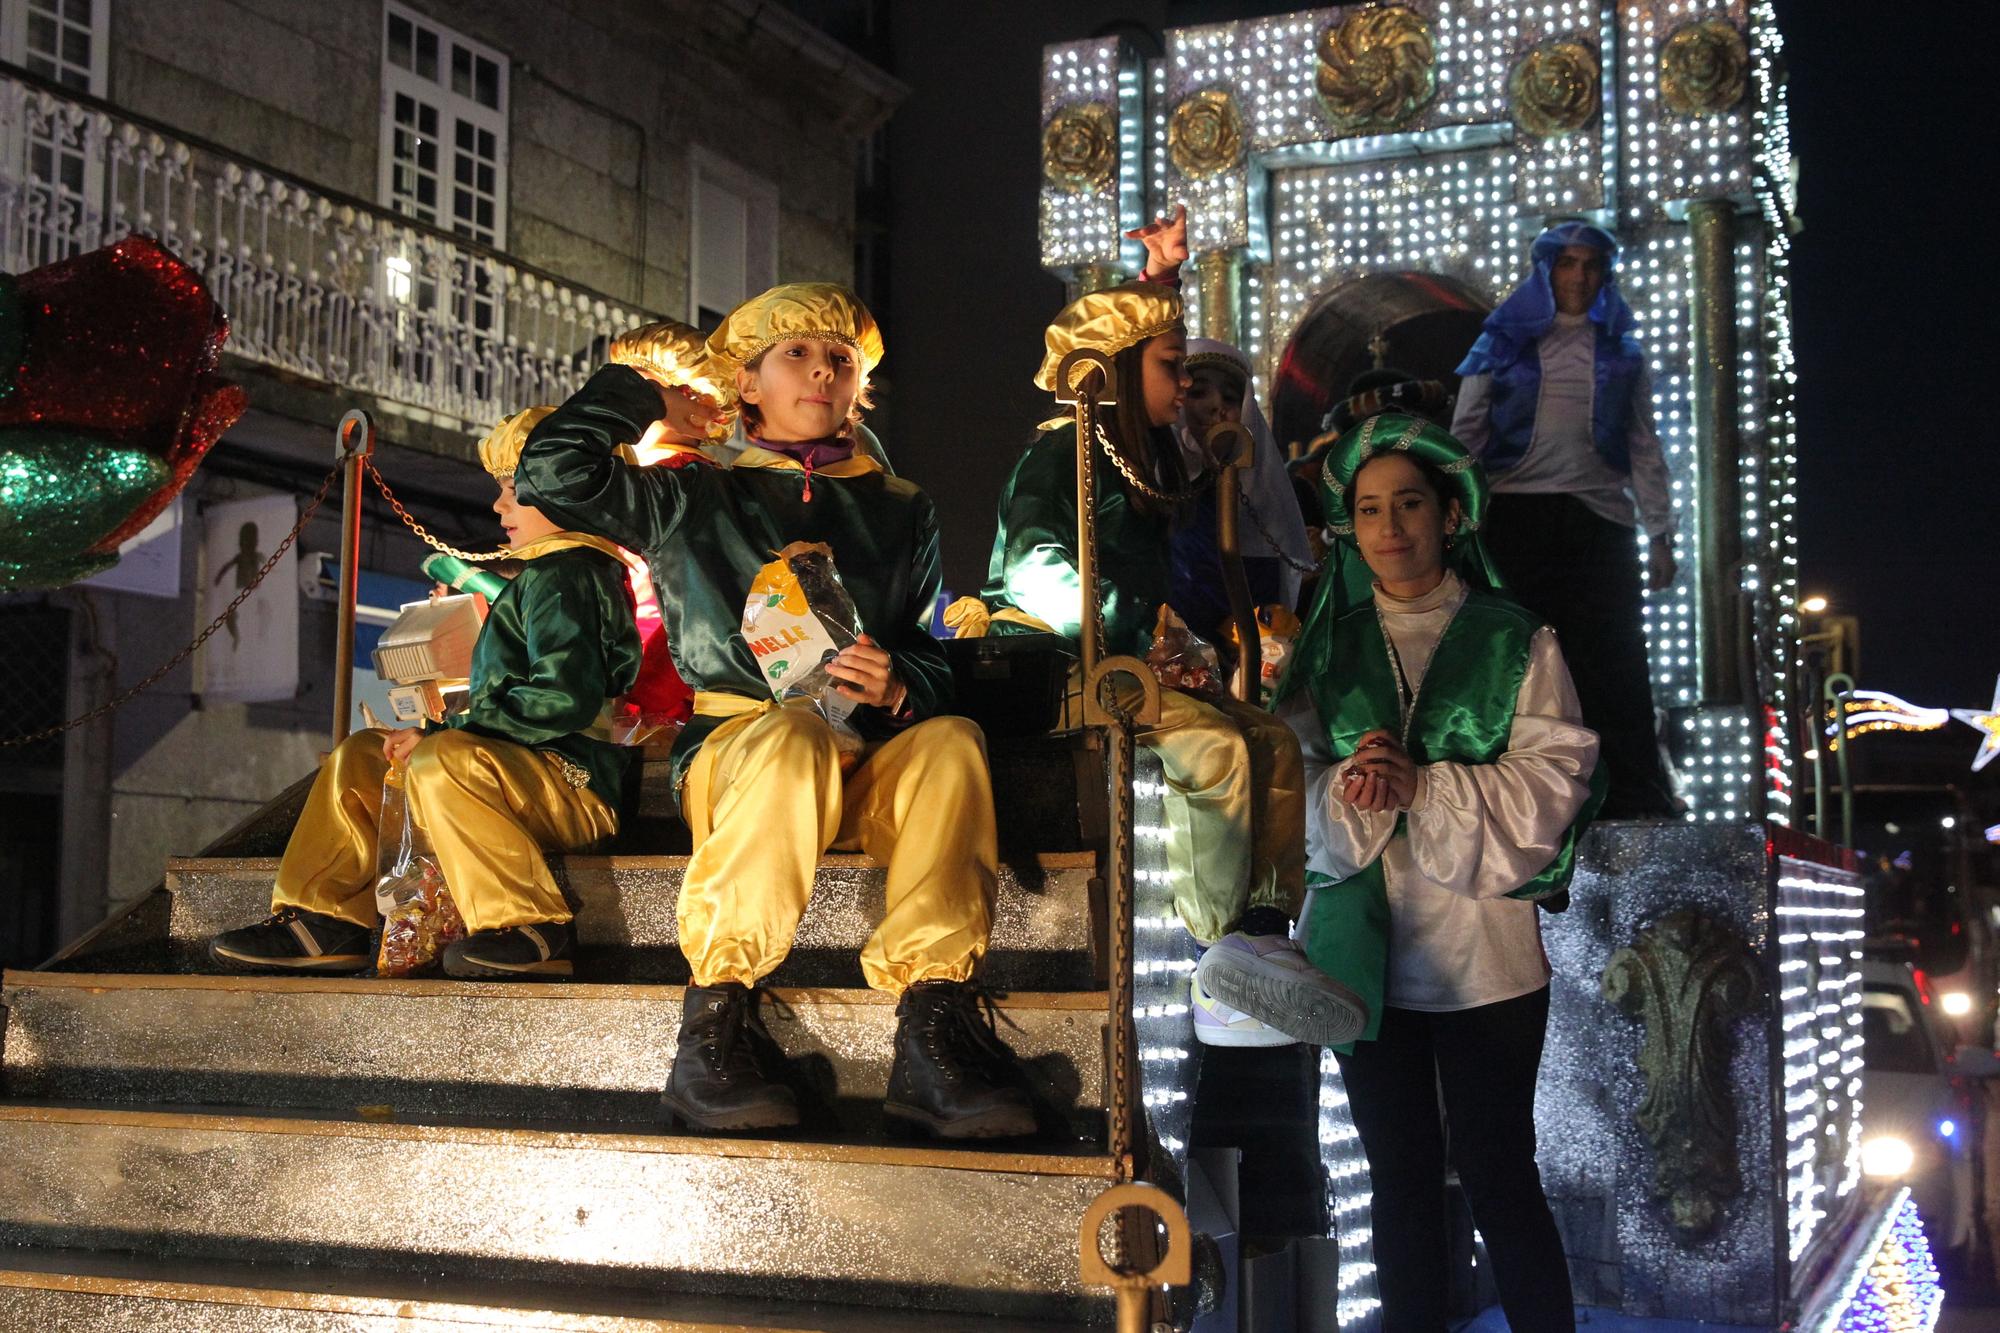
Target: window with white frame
<point>66,42</point>
<point>733,237</point>
<point>444,163</point>
<point>444,127</point>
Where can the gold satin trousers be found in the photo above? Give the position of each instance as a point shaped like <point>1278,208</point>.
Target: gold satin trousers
<point>766,798</point>
<point>1236,807</point>
<point>489,806</point>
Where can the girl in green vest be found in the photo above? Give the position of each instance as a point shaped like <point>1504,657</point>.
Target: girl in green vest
<point>1235,794</point>
<point>1448,774</point>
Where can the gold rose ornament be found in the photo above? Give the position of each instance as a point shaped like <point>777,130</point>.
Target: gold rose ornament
<point>1704,68</point>
<point>1554,88</point>
<point>1205,135</point>
<point>1377,69</point>
<point>1080,146</point>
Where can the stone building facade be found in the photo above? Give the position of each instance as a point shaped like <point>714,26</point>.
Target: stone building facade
<point>435,210</point>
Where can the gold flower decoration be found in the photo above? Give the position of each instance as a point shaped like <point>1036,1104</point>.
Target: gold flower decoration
<point>1555,88</point>
<point>1205,135</point>
<point>1377,69</point>
<point>1704,68</point>
<point>1080,147</point>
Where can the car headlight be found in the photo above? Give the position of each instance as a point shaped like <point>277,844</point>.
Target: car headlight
<point>1885,1155</point>
<point>1955,1003</point>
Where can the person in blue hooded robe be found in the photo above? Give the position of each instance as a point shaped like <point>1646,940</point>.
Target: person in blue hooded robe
<point>1556,405</point>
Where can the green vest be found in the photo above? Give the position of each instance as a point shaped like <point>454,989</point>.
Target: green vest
<point>1463,713</point>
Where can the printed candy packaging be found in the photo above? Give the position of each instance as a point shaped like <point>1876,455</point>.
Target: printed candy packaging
<point>1278,630</point>
<point>797,617</point>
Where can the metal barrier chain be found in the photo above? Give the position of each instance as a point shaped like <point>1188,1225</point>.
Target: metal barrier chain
<point>1202,483</point>
<point>305,516</point>
<point>1257,521</point>
<point>1123,1078</point>
<point>424,533</point>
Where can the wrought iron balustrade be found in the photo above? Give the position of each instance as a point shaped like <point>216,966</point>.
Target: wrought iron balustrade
<point>315,283</point>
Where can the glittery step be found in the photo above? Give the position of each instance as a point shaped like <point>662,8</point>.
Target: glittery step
<point>71,1289</point>
<point>516,1049</point>
<point>627,928</point>
<point>744,1217</point>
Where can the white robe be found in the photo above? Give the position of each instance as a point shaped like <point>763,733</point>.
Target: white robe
<point>1476,832</point>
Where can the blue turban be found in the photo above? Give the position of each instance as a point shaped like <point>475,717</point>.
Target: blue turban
<point>1526,315</point>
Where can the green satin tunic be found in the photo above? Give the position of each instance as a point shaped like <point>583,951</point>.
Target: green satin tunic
<point>706,531</point>
<point>1033,566</point>
<point>558,642</point>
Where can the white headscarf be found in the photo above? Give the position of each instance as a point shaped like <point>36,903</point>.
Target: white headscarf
<point>1270,522</point>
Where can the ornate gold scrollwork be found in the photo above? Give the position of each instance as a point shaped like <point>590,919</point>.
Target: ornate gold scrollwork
<point>1688,978</point>
<point>1555,88</point>
<point>1205,135</point>
<point>1377,69</point>
<point>1704,68</point>
<point>1080,147</point>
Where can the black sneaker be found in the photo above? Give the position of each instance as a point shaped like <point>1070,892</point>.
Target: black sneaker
<point>952,1075</point>
<point>295,940</point>
<point>538,950</point>
<point>724,1063</point>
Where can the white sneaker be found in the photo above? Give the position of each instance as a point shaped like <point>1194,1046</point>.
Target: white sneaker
<point>1270,978</point>
<point>1216,1024</point>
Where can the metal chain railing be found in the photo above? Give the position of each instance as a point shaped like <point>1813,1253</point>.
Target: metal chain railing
<point>423,533</point>
<point>1202,483</point>
<point>159,673</point>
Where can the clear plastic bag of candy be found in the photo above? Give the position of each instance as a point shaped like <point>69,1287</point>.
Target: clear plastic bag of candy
<point>419,917</point>
<point>1183,660</point>
<point>797,618</point>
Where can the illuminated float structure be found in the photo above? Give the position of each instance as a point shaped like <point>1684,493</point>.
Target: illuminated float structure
<point>1362,183</point>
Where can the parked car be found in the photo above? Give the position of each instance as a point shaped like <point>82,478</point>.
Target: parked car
<point>1920,1116</point>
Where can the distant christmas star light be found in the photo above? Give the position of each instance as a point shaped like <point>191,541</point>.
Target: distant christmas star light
<point>1987,722</point>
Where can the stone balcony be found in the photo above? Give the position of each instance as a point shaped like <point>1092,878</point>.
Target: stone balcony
<point>326,289</point>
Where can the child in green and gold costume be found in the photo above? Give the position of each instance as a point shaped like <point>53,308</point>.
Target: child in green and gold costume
<point>518,769</point>
<point>1448,776</point>
<point>1235,791</point>
<point>762,787</point>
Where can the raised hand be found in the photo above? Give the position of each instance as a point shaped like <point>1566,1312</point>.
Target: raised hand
<point>1165,239</point>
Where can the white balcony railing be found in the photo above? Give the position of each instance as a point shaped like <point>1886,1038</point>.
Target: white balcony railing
<point>315,284</point>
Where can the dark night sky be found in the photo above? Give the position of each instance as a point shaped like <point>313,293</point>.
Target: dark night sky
<point>1892,277</point>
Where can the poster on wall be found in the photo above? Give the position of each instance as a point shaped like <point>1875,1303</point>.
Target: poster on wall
<point>149,561</point>
<point>254,657</point>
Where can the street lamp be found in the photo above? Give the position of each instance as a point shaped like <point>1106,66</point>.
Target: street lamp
<point>1813,605</point>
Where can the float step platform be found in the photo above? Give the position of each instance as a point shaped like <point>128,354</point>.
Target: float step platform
<point>536,1050</point>
<point>67,1291</point>
<point>989,1229</point>
<point>627,925</point>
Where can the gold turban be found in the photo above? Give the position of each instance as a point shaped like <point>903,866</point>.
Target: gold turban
<point>500,451</point>
<point>672,353</point>
<point>822,310</point>
<point>1109,322</point>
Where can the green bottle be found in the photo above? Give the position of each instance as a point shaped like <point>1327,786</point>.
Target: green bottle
<point>461,576</point>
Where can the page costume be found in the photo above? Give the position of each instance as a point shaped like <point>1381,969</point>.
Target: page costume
<point>1234,786</point>
<point>525,766</point>
<point>760,784</point>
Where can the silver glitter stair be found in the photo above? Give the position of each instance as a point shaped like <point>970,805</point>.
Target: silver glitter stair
<point>718,1215</point>
<point>626,922</point>
<point>533,1050</point>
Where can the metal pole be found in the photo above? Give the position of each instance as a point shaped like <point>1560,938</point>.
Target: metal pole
<point>1230,445</point>
<point>1816,734</point>
<point>1836,689</point>
<point>354,443</point>
<point>1216,278</point>
<point>1719,481</point>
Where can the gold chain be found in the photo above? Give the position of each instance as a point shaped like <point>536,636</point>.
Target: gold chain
<point>1164,497</point>
<point>410,522</point>
<point>1086,412</point>
<point>48,733</point>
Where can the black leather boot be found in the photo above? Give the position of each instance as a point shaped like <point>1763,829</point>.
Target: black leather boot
<point>721,1078</point>
<point>953,1075</point>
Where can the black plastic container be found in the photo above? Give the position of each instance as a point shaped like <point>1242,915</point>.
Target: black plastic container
<point>1010,684</point>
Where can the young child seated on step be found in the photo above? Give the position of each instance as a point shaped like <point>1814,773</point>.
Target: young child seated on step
<point>762,785</point>
<point>516,771</point>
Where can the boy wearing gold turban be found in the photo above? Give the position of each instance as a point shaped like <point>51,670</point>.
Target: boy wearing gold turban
<point>761,784</point>
<point>515,771</point>
<point>1235,780</point>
